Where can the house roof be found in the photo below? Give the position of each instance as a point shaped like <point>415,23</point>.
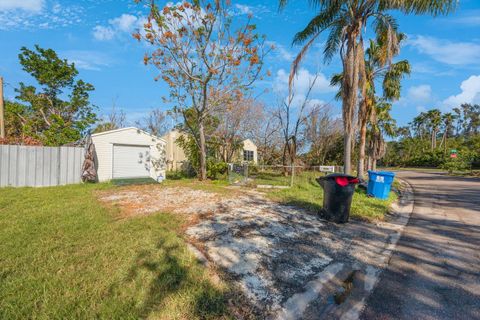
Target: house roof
<point>127,128</point>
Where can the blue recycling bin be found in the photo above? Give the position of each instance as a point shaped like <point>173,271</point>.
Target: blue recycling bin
<point>380,183</point>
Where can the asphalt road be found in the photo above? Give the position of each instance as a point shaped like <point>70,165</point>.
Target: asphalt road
<point>435,271</point>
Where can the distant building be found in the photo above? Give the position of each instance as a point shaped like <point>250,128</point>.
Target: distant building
<point>177,160</point>
<point>249,152</point>
<point>175,156</point>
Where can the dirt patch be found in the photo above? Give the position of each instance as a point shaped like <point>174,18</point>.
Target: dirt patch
<point>144,200</point>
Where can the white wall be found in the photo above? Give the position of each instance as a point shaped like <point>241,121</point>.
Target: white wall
<point>104,142</point>
<point>174,153</point>
<point>250,146</point>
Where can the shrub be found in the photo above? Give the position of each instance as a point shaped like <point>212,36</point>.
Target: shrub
<point>216,169</point>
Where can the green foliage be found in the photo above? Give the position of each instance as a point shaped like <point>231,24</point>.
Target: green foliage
<point>216,170</point>
<point>56,112</point>
<point>455,164</point>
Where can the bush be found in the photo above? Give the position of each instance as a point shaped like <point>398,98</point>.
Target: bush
<point>455,165</point>
<point>216,169</point>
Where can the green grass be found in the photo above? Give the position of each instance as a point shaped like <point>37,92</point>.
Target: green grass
<point>306,193</point>
<point>63,256</point>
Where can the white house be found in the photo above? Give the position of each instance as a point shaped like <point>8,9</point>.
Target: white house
<point>129,153</point>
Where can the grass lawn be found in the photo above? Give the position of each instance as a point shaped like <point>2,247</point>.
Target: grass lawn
<point>63,256</point>
<point>307,193</point>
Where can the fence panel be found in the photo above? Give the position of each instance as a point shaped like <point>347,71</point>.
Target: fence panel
<point>33,166</point>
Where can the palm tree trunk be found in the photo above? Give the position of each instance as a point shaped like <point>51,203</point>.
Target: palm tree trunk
<point>349,101</point>
<point>362,114</point>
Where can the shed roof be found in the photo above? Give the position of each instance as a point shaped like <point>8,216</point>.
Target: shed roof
<point>127,128</point>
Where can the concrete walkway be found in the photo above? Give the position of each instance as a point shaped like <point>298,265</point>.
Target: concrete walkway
<point>435,270</point>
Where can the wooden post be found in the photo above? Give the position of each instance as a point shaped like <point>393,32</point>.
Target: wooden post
<point>292,175</point>
<point>2,113</point>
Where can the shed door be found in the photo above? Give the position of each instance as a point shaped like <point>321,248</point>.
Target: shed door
<point>131,161</point>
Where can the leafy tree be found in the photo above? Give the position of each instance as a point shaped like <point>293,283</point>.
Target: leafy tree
<point>204,61</point>
<point>346,23</point>
<point>59,110</point>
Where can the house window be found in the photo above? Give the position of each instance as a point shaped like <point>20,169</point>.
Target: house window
<point>247,155</point>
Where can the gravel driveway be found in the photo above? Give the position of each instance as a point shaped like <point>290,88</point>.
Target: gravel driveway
<point>285,259</point>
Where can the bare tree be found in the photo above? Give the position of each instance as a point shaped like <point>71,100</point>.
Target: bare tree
<point>115,119</point>
<point>202,60</point>
<point>156,122</point>
<point>322,134</point>
<point>236,122</point>
<point>292,119</point>
<point>266,135</point>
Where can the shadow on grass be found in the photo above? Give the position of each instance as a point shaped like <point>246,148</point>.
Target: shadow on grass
<point>175,286</point>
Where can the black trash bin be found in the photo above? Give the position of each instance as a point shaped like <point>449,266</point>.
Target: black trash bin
<point>337,196</point>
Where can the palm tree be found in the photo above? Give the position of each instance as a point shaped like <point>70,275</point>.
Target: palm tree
<point>346,22</point>
<point>448,120</point>
<point>434,118</point>
<point>377,67</point>
<point>382,124</point>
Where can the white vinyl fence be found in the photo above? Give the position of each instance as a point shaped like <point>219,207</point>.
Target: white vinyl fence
<point>22,166</point>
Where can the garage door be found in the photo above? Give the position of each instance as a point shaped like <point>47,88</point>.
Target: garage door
<point>131,161</point>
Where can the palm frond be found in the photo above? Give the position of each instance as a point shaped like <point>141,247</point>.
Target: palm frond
<point>298,59</point>
<point>392,80</point>
<point>335,38</point>
<point>319,23</point>
<point>433,7</point>
<point>337,80</point>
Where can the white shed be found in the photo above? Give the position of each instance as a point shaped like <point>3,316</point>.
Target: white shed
<point>129,153</point>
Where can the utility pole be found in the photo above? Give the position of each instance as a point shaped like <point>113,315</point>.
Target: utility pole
<point>2,112</point>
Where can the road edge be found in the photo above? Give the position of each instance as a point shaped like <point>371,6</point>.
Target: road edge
<point>366,282</point>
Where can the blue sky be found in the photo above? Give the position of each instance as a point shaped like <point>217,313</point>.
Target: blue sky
<point>96,34</point>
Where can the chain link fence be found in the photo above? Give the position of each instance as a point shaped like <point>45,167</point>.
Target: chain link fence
<point>274,176</point>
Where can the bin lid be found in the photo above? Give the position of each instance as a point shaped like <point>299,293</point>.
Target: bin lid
<point>335,175</point>
<point>382,173</point>
<point>341,179</point>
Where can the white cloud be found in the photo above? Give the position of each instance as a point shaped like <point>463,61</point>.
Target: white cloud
<point>27,5</point>
<point>470,93</point>
<point>420,93</point>
<point>122,24</point>
<point>446,51</point>
<point>125,23</point>
<point>302,82</point>
<point>102,33</point>
<point>38,14</point>
<point>87,60</point>
<point>243,9</point>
